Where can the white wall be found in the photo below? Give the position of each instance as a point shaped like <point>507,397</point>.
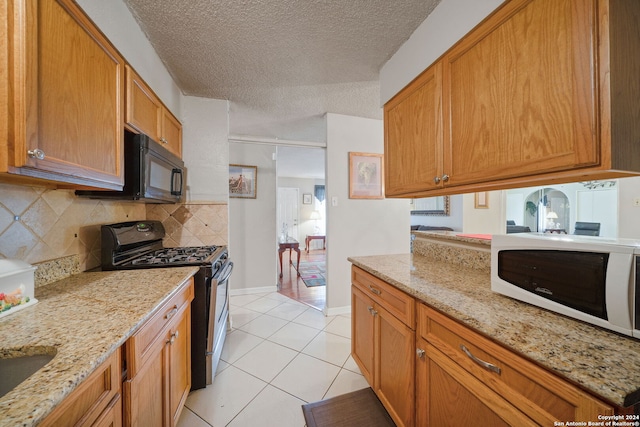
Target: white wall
<point>206,148</point>
<point>447,24</point>
<point>252,222</point>
<point>356,227</point>
<point>115,20</point>
<point>628,213</point>
<point>489,220</point>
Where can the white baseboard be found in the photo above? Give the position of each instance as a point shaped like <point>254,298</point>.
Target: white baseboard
<point>249,291</point>
<point>337,310</point>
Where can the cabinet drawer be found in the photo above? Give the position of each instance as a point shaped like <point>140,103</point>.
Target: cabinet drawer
<point>398,303</point>
<point>88,401</point>
<point>141,344</point>
<point>542,396</point>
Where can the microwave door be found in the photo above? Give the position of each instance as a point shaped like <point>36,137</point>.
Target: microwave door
<point>163,180</point>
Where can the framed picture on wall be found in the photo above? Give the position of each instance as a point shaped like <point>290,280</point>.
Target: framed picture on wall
<point>481,200</point>
<point>306,199</point>
<point>243,182</point>
<point>366,171</point>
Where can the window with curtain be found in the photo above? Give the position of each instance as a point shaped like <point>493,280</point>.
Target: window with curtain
<point>319,192</point>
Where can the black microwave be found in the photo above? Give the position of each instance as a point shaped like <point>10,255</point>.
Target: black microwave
<point>152,174</point>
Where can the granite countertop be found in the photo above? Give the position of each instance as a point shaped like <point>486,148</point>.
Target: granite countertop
<point>602,362</point>
<point>85,318</point>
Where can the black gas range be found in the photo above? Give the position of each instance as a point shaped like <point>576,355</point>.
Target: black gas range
<point>138,244</point>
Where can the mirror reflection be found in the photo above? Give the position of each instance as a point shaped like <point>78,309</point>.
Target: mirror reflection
<point>564,209</point>
<point>435,206</point>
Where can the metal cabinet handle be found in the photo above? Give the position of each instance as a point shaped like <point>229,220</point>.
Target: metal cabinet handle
<point>36,154</point>
<point>445,178</point>
<point>372,311</point>
<point>374,290</point>
<point>420,352</point>
<point>164,140</point>
<point>486,365</point>
<point>173,337</point>
<point>170,314</point>
<point>436,180</point>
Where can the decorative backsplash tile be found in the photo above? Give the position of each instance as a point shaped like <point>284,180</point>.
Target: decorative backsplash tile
<point>193,224</point>
<point>39,224</point>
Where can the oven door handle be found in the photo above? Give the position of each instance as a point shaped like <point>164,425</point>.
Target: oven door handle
<point>226,272</point>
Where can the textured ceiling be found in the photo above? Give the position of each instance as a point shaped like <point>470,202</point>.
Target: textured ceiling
<point>281,63</point>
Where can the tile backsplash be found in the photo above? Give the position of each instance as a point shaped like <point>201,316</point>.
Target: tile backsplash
<point>39,224</point>
<point>193,224</point>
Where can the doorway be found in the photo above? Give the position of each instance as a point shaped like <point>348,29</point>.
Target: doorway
<point>300,177</point>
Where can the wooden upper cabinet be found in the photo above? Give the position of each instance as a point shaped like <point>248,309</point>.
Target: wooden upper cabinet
<point>146,114</point>
<point>171,133</point>
<point>542,91</point>
<point>65,121</point>
<point>520,93</point>
<point>413,135</point>
<point>144,109</point>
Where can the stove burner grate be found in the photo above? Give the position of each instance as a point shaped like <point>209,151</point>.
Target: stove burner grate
<point>180,255</point>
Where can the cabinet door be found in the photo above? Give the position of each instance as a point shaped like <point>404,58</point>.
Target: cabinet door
<point>362,332</point>
<point>413,135</point>
<point>146,394</point>
<point>449,396</point>
<point>179,354</point>
<point>520,93</point>
<point>112,416</point>
<point>98,394</point>
<point>67,96</point>
<point>144,110</point>
<point>171,133</point>
<point>394,366</point>
<point>538,394</point>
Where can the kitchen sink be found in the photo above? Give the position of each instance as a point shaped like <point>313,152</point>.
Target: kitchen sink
<point>15,367</point>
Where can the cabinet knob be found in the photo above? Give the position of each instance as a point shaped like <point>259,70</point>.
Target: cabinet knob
<point>372,311</point>
<point>36,154</point>
<point>420,352</point>
<point>173,337</point>
<point>445,178</point>
<point>436,180</point>
<point>164,140</point>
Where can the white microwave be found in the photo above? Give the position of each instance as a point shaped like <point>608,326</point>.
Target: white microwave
<point>593,279</point>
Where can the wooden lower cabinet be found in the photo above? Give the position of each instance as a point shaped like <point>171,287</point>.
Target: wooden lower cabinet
<point>156,389</point>
<point>463,377</point>
<point>441,373</point>
<point>362,333</point>
<point>394,379</point>
<point>447,395</point>
<point>94,401</point>
<point>384,346</point>
<point>112,416</point>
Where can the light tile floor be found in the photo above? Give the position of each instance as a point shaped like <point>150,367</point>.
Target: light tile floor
<point>280,355</point>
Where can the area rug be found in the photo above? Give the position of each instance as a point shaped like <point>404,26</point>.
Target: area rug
<point>358,408</point>
<point>312,273</point>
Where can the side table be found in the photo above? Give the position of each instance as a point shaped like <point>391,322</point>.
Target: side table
<point>309,238</point>
<point>291,244</point>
